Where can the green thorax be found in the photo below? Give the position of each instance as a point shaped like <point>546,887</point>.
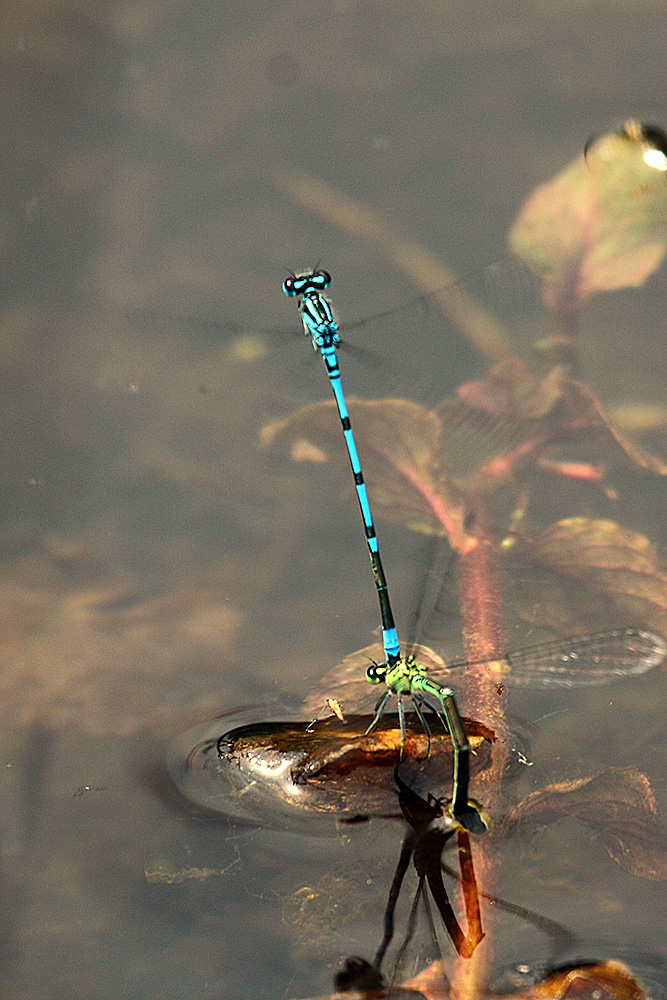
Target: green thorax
<point>406,675</point>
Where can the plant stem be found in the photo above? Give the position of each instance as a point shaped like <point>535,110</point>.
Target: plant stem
<point>483,632</point>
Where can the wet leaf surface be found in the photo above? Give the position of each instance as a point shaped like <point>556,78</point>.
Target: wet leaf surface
<point>619,805</point>
<point>598,225</point>
<point>282,774</point>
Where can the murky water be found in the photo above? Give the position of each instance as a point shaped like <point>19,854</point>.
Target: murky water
<point>158,566</point>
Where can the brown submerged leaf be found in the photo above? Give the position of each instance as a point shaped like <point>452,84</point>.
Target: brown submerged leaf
<point>401,444</point>
<point>427,468</point>
<point>617,570</point>
<point>587,419</point>
<point>619,805</point>
<point>89,651</point>
<point>518,417</point>
<point>598,225</point>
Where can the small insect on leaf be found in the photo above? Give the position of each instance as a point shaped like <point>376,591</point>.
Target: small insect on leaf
<point>334,706</point>
<point>336,709</point>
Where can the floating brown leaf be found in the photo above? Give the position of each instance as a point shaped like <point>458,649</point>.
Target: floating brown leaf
<point>598,225</point>
<point>611,980</point>
<point>339,751</point>
<point>619,805</point>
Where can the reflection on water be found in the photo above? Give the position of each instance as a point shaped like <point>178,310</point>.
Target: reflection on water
<point>158,569</point>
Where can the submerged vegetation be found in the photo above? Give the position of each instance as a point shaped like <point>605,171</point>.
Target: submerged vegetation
<point>474,470</point>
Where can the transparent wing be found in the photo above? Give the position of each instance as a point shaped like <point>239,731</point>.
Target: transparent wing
<point>506,287</point>
<point>586,660</point>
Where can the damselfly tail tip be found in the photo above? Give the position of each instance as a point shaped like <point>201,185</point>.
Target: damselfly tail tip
<point>471,818</point>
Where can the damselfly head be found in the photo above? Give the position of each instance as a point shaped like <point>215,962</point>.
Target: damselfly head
<point>310,281</point>
<point>377,673</point>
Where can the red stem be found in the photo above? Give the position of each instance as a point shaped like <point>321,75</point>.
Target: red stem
<point>483,629</point>
<point>483,632</point>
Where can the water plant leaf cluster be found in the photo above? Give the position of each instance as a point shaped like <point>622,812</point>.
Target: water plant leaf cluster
<point>482,469</point>
<point>430,469</point>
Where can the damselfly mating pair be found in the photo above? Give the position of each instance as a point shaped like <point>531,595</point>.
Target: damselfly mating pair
<point>584,660</point>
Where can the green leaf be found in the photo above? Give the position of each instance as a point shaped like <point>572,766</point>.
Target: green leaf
<point>600,224</point>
